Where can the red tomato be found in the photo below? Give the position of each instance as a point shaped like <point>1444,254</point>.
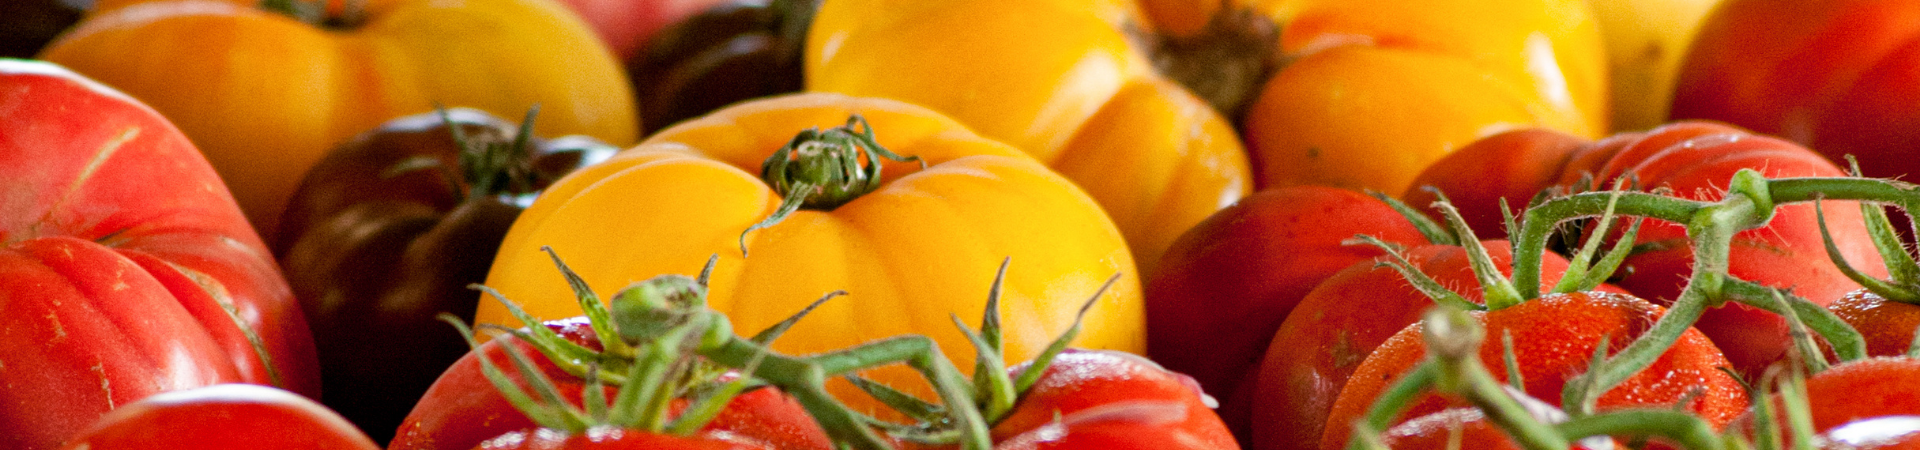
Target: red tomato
<point>125,267</point>
<point>222,417</point>
<point>463,409</point>
<point>1227,283</point>
<point>1845,400</point>
<point>1554,338</point>
<point>1511,166</point>
<point>1886,325</point>
<point>1344,320</point>
<point>1839,76</point>
<point>1695,160</point>
<point>1098,399</point>
<point>1455,428</point>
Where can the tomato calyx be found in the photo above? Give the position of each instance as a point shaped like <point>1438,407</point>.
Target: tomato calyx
<point>352,13</point>
<point>823,169</point>
<point>1227,62</point>
<point>503,168</point>
<point>670,312</point>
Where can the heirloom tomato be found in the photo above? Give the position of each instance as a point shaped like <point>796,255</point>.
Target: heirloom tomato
<point>222,417</point>
<point>1840,76</point>
<point>264,95</point>
<point>734,51</point>
<point>1646,40</point>
<point>1694,159</point>
<point>389,229</point>
<point>627,25</point>
<point>125,268</point>
<point>1061,81</point>
<point>920,245</point>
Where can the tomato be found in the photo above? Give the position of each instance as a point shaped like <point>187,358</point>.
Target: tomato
<point>1455,428</point>
<point>919,247</point>
<point>374,255</point>
<point>1111,400</point>
<point>222,417</point>
<point>1836,76</point>
<point>626,25</point>
<point>463,409</point>
<point>26,26</point>
<point>1511,166</point>
<point>1853,392</point>
<point>732,52</point>
<point>1554,337</point>
<point>264,97</point>
<point>1646,41</point>
<point>1059,80</point>
<point>125,270</point>
<point>1340,322</point>
<point>1232,279</point>
<point>1694,159</point>
<point>1886,325</point>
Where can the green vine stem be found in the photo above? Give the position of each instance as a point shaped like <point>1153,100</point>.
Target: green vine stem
<point>672,307</point>
<point>823,169</point>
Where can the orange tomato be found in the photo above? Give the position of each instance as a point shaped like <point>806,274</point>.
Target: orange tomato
<point>921,246</point>
<point>264,95</point>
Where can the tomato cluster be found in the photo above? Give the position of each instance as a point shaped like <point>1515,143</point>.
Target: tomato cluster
<point>1303,224</point>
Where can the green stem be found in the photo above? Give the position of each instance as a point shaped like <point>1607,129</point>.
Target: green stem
<point>1541,220</point>
<point>1847,343</point>
<point>823,169</point>
<point>806,378</point>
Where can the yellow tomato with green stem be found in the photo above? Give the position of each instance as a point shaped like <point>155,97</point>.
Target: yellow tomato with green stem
<point>910,245</point>
<point>265,93</point>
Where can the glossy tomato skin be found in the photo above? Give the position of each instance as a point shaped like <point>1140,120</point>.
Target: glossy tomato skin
<point>1342,321</point>
<point>1853,391</point>
<point>1231,280</point>
<point>222,417</point>
<point>1108,399</point>
<point>1554,338</point>
<point>1454,428</point>
<point>1696,160</point>
<point>1511,166</point>
<point>626,25</point>
<point>220,69</point>
<point>1836,76</point>
<point>463,409</point>
<point>128,269</point>
<point>375,255</point>
<point>1887,326</point>
<point>610,439</point>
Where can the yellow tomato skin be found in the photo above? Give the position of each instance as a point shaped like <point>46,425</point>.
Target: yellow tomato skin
<point>264,95</point>
<point>1057,79</point>
<point>923,246</point>
<point>1428,77</point>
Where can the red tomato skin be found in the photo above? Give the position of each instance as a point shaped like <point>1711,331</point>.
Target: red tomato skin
<point>462,409</point>
<point>608,439</point>
<point>1554,337</point>
<point>1696,160</point>
<point>1886,325</point>
<point>223,417</point>
<point>122,255</point>
<point>1082,389</point>
<point>1437,431</point>
<point>1513,165</point>
<point>1227,284</point>
<point>1854,391</point>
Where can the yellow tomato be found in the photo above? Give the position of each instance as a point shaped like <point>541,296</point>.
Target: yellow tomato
<point>923,245</point>
<point>265,95</point>
<point>1353,93</point>
<point>1061,80</point>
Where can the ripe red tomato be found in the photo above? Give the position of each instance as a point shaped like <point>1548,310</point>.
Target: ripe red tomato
<point>1845,398</point>
<point>1511,166</point>
<point>1342,321</point>
<point>1695,160</point>
<point>1838,76</point>
<point>222,417</point>
<point>611,439</point>
<point>1227,283</point>
<point>1887,326</point>
<point>1554,337</point>
<point>126,269</point>
<point>463,408</point>
<point>1452,429</point>
<point>1102,399</point>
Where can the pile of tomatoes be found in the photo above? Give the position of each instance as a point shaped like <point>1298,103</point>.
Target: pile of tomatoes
<point>769,224</point>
